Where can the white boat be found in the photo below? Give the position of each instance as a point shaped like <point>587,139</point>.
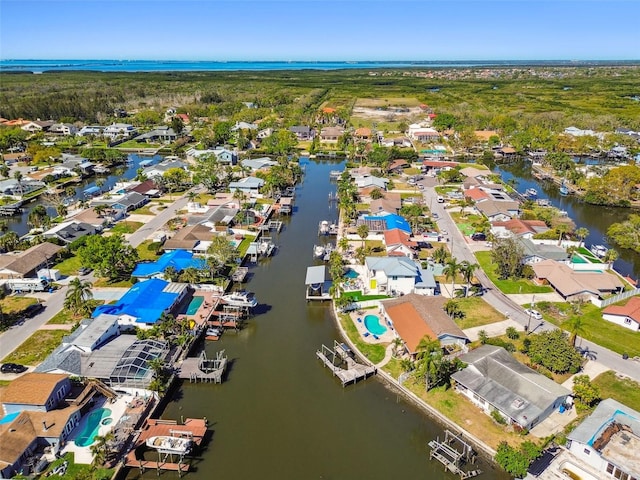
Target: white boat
<point>599,250</point>
<point>318,251</point>
<point>532,192</point>
<point>167,444</point>
<point>266,248</point>
<point>240,298</point>
<point>324,227</point>
<point>213,332</point>
<point>564,190</point>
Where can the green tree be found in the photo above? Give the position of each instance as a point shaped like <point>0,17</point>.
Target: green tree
<point>77,297</point>
<point>552,350</point>
<point>575,325</point>
<point>611,256</point>
<point>171,274</point>
<point>468,271</point>
<point>208,172</point>
<point>626,234</point>
<point>110,257</point>
<point>507,255</point>
<point>585,393</point>
<point>445,121</point>
<point>581,233</point>
<point>175,178</point>
<point>101,449</point>
<point>177,124</point>
<point>38,217</point>
<point>9,241</point>
<point>517,461</point>
<point>451,270</point>
<point>441,255</point>
<point>220,252</point>
<point>452,308</point>
<point>363,232</point>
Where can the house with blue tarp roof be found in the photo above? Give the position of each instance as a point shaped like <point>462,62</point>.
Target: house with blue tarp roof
<point>178,259</point>
<point>391,221</point>
<point>145,302</point>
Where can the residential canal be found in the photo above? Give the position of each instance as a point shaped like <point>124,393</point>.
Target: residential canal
<point>594,218</point>
<point>18,223</point>
<point>280,414</point>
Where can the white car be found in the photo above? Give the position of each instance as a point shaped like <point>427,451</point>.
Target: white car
<point>533,313</point>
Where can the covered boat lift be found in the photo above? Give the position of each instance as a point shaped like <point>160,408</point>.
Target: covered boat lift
<point>317,284</point>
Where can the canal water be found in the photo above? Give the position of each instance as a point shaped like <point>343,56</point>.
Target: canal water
<point>18,223</point>
<point>595,218</point>
<point>280,414</point>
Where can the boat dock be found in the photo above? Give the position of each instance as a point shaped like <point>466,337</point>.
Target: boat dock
<point>203,369</point>
<point>193,428</point>
<point>340,360</point>
<point>453,460</point>
<point>240,274</point>
<point>335,174</point>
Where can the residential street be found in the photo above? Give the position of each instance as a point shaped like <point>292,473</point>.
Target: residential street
<point>461,250</point>
<point>12,338</point>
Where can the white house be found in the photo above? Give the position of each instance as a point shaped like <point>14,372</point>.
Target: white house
<point>392,275</point>
<point>90,130</point>
<point>222,154</point>
<point>247,185</point>
<point>608,442</point>
<point>627,315</point>
<point>365,181</point>
<point>119,130</point>
<point>244,126</point>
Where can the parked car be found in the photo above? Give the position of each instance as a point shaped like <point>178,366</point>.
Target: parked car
<point>33,310</point>
<point>478,236</point>
<point>84,270</point>
<point>424,245</point>
<point>12,368</point>
<point>533,313</point>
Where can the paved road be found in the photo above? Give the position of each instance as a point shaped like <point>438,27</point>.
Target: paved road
<point>12,338</point>
<point>504,304</point>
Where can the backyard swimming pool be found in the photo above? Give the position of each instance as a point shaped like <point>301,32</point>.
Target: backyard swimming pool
<point>194,305</point>
<point>372,323</point>
<point>90,430</point>
<point>351,274</point>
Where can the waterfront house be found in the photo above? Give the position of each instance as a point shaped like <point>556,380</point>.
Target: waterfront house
<point>63,129</point>
<point>14,188</point>
<point>264,133</point>
<point>89,215</point>
<point>331,134</point>
<point>302,132</point>
<point>607,442</point>
<point>148,188</point>
<point>160,134</point>
<point>370,181</point>
<point>538,252</point>
<point>495,381</point>
<point>473,172</point>
<point>387,205</point>
<point>36,417</point>
<point>192,238</point>
<point>161,168</point>
<point>70,231</point>
<point>423,134</point>
<point>417,316</point>
<point>397,275</point>
<point>573,285</point>
<point>498,210</point>
<point>223,155</point>
<point>518,228</point>
<point>115,130</point>
<point>90,130</point>
<point>484,136</point>
<point>627,315</point>
<point>380,223</point>
<point>180,260</point>
<point>579,132</point>
<point>247,185</point>
<point>362,134</point>
<point>145,302</point>
<point>37,126</point>
<point>129,201</point>
<point>25,264</point>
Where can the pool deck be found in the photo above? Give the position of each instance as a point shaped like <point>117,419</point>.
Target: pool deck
<point>386,337</point>
<point>208,305</point>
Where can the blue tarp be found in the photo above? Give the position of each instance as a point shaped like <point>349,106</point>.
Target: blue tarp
<point>178,259</point>
<point>145,300</point>
<point>392,221</point>
<point>91,190</point>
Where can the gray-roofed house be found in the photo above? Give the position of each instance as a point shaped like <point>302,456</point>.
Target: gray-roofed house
<point>160,168</point>
<point>367,181</point>
<point>608,441</point>
<point>258,163</point>
<point>70,231</point>
<point>302,132</point>
<point>499,210</point>
<point>130,201</point>
<point>534,252</point>
<point>25,264</point>
<point>247,185</point>
<point>162,134</point>
<point>392,275</point>
<point>63,129</point>
<point>494,380</point>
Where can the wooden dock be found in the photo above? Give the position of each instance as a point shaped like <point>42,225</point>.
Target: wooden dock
<point>203,369</point>
<point>342,364</point>
<point>453,460</point>
<point>240,274</point>
<point>193,428</point>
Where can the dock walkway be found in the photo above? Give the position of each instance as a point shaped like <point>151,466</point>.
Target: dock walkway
<point>353,372</point>
<point>203,369</point>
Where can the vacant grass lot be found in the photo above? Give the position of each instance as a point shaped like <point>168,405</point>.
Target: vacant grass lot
<point>595,328</point>
<point>37,347</point>
<point>69,266</point>
<point>147,250</point>
<point>125,227</point>
<point>65,317</point>
<point>507,286</point>
<point>13,304</point>
<point>624,391</point>
<point>477,312</point>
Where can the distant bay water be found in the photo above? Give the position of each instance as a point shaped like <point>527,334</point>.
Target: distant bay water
<point>41,66</point>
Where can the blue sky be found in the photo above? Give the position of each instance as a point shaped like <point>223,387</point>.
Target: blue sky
<point>320,30</point>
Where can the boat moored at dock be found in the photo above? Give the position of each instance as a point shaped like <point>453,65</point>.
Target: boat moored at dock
<point>240,298</point>
<point>169,444</point>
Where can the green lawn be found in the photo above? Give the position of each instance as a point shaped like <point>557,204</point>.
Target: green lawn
<point>145,210</point>
<point>477,313</point>
<point>37,347</point>
<point>507,286</point>
<point>596,329</point>
<point>105,282</point>
<point>65,317</point>
<point>374,353</point>
<point>623,390</point>
<point>69,266</point>
<point>357,296</point>
<point>10,305</point>
<point>125,227</point>
<point>244,245</point>
<point>147,250</point>
<point>79,470</point>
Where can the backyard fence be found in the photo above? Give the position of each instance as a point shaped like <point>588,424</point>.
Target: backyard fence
<point>620,296</point>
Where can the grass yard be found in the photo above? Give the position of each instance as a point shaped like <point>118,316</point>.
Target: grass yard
<point>12,304</point>
<point>595,328</point>
<point>37,347</point>
<point>125,227</point>
<point>105,282</point>
<point>147,250</point>
<point>65,317</point>
<point>393,367</point>
<point>374,353</point>
<point>244,245</point>
<point>357,296</point>
<point>80,470</point>
<point>145,210</point>
<point>508,286</point>
<point>477,313</point>
<point>624,391</point>
<point>69,266</point>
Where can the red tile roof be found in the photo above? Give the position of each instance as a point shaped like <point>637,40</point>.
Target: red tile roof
<point>476,194</point>
<point>631,309</point>
<point>396,236</point>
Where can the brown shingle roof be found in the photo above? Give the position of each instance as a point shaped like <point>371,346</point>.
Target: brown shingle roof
<point>32,388</point>
<point>32,258</point>
<point>569,282</point>
<point>189,237</point>
<point>415,316</point>
<point>631,309</point>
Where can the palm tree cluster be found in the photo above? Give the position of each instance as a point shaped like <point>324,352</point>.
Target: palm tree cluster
<point>77,298</point>
<point>431,366</point>
<point>452,268</point>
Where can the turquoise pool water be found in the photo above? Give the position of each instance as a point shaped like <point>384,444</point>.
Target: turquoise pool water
<point>9,418</point>
<point>194,305</point>
<point>90,430</point>
<point>351,274</point>
<point>578,259</point>
<point>372,323</point>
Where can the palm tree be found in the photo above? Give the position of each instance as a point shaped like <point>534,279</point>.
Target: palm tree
<point>451,270</point>
<point>77,297</point>
<point>101,449</point>
<point>611,256</point>
<point>452,307</point>
<point>363,232</point>
<point>581,233</point>
<point>468,270</point>
<point>17,175</point>
<point>440,255</point>
<point>191,195</point>
<point>562,229</point>
<point>398,344</point>
<point>100,209</point>
<point>38,217</point>
<point>190,275</point>
<point>575,325</point>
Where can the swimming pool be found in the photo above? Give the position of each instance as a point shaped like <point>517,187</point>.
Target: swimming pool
<point>91,427</point>
<point>194,305</point>
<point>351,274</point>
<point>9,418</point>
<point>372,323</point>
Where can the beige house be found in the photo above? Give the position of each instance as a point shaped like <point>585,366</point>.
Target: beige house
<point>26,264</point>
